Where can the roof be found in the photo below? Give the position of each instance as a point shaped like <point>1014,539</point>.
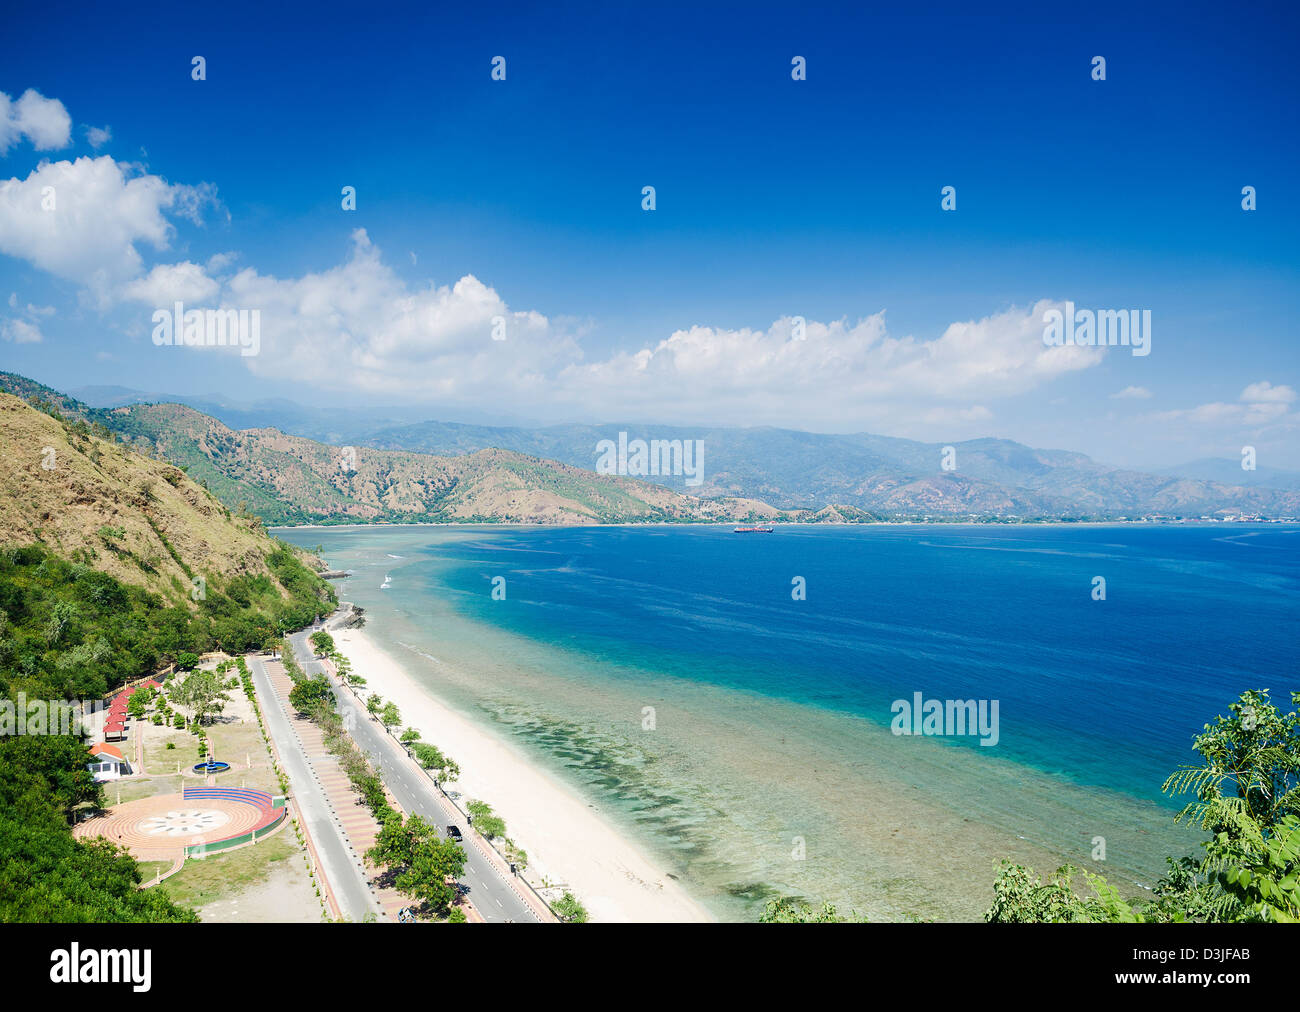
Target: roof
<point>102,748</point>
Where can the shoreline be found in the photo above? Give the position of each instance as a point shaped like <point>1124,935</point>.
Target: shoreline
<point>791,523</point>
<point>566,840</point>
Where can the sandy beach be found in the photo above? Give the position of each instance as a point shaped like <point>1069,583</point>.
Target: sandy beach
<point>567,841</point>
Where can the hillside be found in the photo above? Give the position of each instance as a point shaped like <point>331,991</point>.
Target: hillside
<point>286,479</point>
<point>884,475</point>
<point>455,472</point>
<point>71,489</point>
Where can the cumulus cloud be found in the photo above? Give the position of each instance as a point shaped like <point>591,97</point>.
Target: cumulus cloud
<point>43,121</point>
<point>20,331</point>
<point>97,137</point>
<point>1265,392</point>
<point>84,220</point>
<point>360,327</point>
<point>24,327</point>
<point>169,283</point>
<point>836,369</point>
<point>1131,394</point>
<point>1260,405</point>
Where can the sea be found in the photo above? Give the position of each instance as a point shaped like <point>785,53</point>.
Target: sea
<point>751,708</point>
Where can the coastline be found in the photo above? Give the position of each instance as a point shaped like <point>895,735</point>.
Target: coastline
<point>567,841</point>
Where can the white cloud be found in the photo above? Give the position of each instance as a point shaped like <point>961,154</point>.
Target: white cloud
<point>98,136</point>
<point>360,327</point>
<point>838,369</point>
<point>1265,393</point>
<point>43,121</point>
<point>20,332</point>
<point>168,283</point>
<point>1261,405</point>
<point>1131,394</point>
<point>101,212</point>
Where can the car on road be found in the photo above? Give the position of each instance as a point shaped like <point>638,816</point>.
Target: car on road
<point>453,832</point>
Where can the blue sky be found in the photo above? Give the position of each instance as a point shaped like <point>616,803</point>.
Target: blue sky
<point>775,199</point>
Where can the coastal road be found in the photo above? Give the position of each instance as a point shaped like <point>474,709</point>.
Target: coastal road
<point>345,876</point>
<point>494,896</point>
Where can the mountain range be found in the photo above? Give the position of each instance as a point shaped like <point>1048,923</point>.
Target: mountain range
<point>436,470</point>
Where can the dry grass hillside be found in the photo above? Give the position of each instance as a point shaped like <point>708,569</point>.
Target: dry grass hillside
<point>141,520</point>
<point>290,479</point>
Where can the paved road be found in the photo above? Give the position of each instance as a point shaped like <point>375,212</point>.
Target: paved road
<point>339,864</point>
<point>492,894</point>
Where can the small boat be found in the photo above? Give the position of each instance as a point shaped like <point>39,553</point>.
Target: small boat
<point>753,530</point>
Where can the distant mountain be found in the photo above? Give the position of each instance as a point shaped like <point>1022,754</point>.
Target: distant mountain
<point>443,470</point>
<point>1228,471</point>
<point>286,479</point>
<point>329,425</point>
<point>882,475</point>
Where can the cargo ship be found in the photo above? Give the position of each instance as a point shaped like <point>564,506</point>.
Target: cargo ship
<point>753,530</point>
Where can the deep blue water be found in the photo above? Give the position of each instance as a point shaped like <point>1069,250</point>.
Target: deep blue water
<point>1100,692</point>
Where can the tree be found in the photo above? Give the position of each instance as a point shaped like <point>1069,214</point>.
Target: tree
<point>421,861</point>
<point>426,877</point>
<point>46,876</point>
<point>186,661</point>
<point>202,693</point>
<point>322,642</point>
<point>390,716</point>
<point>409,736</point>
<point>487,822</point>
<point>1247,797</point>
<point>375,703</point>
<point>306,695</point>
<point>430,757</point>
<point>569,910</point>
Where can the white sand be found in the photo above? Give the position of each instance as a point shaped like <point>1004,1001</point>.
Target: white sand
<point>566,841</point>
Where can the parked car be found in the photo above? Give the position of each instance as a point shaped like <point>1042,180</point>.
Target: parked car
<point>454,833</point>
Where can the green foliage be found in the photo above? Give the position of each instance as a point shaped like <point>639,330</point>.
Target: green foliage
<point>1021,897</point>
<point>309,693</point>
<point>203,693</point>
<point>419,860</point>
<point>187,661</point>
<point>431,758</point>
<point>46,875</point>
<point>1246,796</point>
<point>569,910</point>
<point>322,642</point>
<point>487,822</point>
<point>786,910</point>
<point>73,632</point>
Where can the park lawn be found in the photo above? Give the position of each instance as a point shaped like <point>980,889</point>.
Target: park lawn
<point>133,789</point>
<point>236,743</point>
<point>160,759</point>
<point>149,870</point>
<point>222,876</point>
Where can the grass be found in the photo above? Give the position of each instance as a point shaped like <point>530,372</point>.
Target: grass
<point>158,758</point>
<point>134,790</point>
<point>149,870</point>
<point>225,875</point>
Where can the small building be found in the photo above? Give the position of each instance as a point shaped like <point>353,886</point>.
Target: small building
<point>107,763</point>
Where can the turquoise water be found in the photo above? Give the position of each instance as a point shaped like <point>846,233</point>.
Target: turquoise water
<point>769,766</point>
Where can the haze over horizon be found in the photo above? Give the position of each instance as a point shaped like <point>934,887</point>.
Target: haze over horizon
<point>521,199</point>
